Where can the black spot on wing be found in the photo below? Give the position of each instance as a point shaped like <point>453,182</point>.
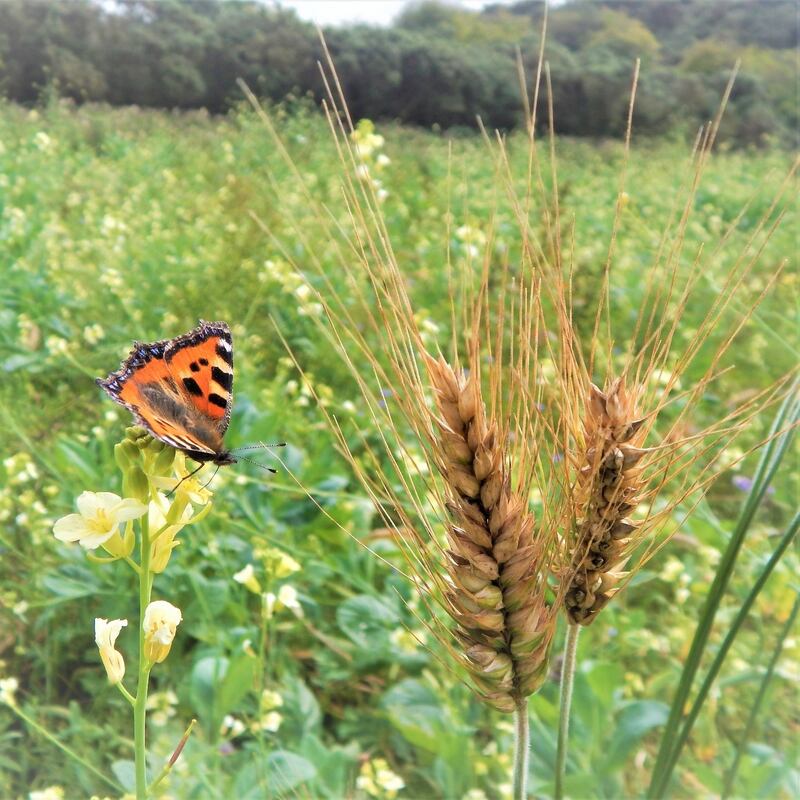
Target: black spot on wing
<point>192,387</point>
<point>217,400</point>
<point>224,379</point>
<point>194,366</point>
<point>204,362</point>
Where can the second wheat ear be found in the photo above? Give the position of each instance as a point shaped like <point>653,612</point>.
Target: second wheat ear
<point>609,488</point>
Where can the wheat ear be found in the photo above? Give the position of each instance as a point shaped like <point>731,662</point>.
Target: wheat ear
<point>497,594</point>
<point>609,488</point>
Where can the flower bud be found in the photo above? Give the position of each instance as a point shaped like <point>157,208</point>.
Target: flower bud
<point>162,464</point>
<point>125,453</point>
<point>161,620</point>
<point>135,484</point>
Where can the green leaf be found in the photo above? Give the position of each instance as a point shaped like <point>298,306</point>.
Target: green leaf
<point>286,771</point>
<point>415,712</point>
<point>632,724</point>
<point>125,773</point>
<point>367,622</point>
<point>301,708</point>
<point>238,681</point>
<point>207,676</point>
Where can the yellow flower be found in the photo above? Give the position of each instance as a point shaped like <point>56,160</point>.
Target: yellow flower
<point>192,488</point>
<point>161,620</point>
<point>162,535</point>
<point>247,578</point>
<point>99,518</point>
<point>105,636</point>
<point>277,563</point>
<point>270,700</point>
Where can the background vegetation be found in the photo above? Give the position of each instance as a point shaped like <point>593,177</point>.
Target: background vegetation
<point>131,223</point>
<point>436,65</point>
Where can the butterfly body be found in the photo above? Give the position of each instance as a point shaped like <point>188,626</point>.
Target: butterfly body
<point>181,390</point>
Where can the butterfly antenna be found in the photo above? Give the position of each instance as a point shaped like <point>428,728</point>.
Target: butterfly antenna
<point>256,464</point>
<point>260,446</point>
<point>186,477</point>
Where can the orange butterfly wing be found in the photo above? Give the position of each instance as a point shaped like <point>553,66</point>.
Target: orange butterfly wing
<point>180,389</point>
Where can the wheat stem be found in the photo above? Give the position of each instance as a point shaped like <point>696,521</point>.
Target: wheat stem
<point>567,682</point>
<point>670,748</point>
<point>522,744</point>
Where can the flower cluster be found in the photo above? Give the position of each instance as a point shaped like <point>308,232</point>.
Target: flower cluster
<point>378,780</point>
<point>275,565</point>
<point>163,497</point>
<point>366,147</point>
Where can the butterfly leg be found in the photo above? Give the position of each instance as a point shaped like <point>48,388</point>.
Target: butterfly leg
<point>212,477</point>
<point>186,477</point>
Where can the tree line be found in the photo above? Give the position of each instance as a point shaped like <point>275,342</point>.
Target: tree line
<point>436,65</point>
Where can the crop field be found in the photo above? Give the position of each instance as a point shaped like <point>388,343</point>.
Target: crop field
<point>304,652</point>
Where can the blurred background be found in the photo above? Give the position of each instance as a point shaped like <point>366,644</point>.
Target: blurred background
<point>139,192</point>
<point>424,63</point>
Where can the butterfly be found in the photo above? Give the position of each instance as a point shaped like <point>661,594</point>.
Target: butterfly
<point>180,390</point>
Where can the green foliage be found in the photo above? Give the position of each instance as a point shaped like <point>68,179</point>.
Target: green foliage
<point>131,224</point>
<point>437,65</point>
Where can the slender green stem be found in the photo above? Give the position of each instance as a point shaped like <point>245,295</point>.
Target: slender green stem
<point>567,681</point>
<point>522,744</point>
<point>669,750</point>
<point>140,704</point>
<point>126,694</point>
<point>730,777</point>
<point>42,731</point>
<point>727,642</point>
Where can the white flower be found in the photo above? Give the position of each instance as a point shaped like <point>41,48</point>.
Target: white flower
<point>8,690</point>
<point>105,637</point>
<point>50,793</point>
<point>42,141</point>
<point>161,620</point>
<point>93,333</point>
<point>232,726</point>
<point>287,595</point>
<point>247,577</point>
<point>99,519</point>
<point>271,721</point>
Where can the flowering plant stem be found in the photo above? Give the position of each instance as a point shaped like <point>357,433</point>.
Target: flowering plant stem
<point>567,681</point>
<point>521,749</point>
<point>140,703</point>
